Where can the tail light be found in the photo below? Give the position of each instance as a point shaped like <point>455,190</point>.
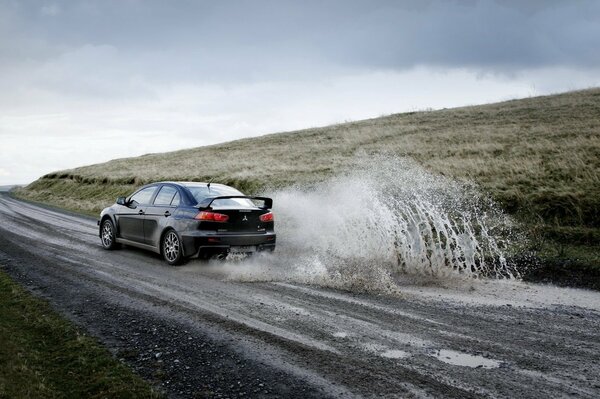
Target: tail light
<point>266,217</point>
<point>212,217</point>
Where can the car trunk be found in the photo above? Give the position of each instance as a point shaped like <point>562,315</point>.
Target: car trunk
<point>240,220</point>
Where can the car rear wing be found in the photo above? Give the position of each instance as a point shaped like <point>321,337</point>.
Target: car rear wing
<point>207,202</point>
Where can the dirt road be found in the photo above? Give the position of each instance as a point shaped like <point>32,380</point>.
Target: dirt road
<point>195,331</point>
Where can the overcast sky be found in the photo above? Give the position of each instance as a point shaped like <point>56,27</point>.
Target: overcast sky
<point>87,81</point>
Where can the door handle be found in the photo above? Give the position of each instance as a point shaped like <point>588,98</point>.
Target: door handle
<point>141,212</point>
<point>167,214</point>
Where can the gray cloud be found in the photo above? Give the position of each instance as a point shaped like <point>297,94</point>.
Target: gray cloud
<point>172,74</point>
<point>256,39</point>
<point>108,49</point>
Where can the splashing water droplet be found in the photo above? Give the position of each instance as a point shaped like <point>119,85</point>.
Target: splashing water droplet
<point>387,216</point>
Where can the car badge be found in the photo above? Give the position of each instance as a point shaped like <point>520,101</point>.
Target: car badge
<point>245,219</point>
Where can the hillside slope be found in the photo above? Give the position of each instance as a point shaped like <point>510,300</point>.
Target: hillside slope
<point>539,157</point>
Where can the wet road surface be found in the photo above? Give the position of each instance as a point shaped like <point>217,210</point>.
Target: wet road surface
<point>193,331</point>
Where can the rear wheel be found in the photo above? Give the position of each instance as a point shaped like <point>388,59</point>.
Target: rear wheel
<point>107,235</point>
<point>171,248</point>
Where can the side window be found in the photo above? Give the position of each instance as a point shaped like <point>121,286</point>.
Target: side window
<point>165,196</point>
<point>143,197</point>
<point>175,201</point>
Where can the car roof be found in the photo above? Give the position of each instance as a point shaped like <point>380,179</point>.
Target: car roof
<point>189,183</point>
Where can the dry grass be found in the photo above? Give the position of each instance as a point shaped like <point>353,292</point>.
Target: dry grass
<point>539,157</point>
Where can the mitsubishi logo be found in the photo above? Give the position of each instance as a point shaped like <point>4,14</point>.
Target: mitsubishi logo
<point>244,219</point>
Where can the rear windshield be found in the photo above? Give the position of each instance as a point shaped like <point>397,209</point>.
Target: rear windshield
<point>202,192</point>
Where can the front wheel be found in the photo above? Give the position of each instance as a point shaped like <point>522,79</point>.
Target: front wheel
<point>107,235</point>
<point>171,248</point>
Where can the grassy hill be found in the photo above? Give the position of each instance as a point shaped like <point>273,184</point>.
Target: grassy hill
<point>538,157</point>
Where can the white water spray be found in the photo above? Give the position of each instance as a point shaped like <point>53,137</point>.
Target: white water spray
<point>388,217</point>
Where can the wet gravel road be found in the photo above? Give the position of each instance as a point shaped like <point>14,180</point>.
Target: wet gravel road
<point>193,332</point>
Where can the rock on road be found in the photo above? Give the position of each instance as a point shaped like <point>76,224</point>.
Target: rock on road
<point>193,331</point>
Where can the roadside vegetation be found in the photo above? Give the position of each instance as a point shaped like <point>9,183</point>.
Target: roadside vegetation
<point>42,355</point>
<point>538,157</point>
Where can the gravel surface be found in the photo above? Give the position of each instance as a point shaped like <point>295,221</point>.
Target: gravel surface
<point>193,332</point>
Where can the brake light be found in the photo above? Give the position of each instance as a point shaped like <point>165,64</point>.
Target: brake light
<point>266,217</point>
<point>212,217</point>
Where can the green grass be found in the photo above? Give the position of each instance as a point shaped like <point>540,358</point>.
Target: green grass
<point>539,158</point>
<point>44,356</point>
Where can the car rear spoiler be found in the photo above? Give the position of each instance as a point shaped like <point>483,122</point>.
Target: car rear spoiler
<point>207,202</point>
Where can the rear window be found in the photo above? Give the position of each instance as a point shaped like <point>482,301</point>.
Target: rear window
<point>165,196</point>
<point>200,193</point>
<point>175,201</point>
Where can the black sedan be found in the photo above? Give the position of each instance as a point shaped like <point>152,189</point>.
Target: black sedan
<point>180,220</point>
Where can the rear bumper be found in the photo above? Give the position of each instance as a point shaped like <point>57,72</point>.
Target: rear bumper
<point>197,242</point>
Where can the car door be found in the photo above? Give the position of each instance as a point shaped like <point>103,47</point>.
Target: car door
<point>131,221</point>
<point>157,214</point>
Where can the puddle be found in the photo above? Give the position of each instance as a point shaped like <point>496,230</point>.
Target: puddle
<point>384,351</point>
<point>395,354</point>
<point>464,359</point>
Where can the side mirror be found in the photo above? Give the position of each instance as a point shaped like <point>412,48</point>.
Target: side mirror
<point>121,201</point>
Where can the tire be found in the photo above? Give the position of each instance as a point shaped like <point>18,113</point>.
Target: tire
<point>107,235</point>
<point>171,248</point>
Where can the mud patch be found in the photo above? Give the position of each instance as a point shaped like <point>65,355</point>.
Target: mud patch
<point>395,354</point>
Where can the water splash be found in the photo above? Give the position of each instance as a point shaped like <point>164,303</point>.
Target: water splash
<point>388,216</point>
